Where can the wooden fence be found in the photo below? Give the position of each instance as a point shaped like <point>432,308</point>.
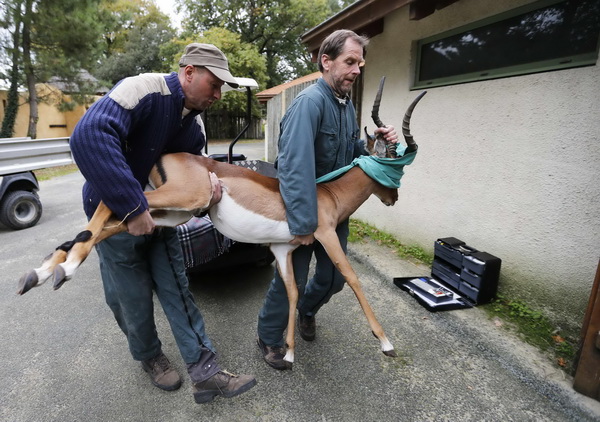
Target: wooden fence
<point>228,126</point>
<point>276,108</point>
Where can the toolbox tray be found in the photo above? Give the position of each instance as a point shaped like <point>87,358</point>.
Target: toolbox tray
<point>413,287</point>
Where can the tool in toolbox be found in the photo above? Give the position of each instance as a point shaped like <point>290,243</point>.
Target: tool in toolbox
<point>461,277</point>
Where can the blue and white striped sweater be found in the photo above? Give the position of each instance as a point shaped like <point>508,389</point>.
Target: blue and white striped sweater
<point>123,134</point>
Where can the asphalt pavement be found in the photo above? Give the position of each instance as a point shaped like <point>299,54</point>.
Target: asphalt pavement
<point>63,357</point>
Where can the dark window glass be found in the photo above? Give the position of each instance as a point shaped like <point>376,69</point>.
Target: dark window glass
<point>556,36</point>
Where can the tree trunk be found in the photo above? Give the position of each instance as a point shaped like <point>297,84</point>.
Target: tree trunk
<point>12,100</point>
<point>29,72</point>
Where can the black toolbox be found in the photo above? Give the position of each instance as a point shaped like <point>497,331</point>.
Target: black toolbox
<point>461,276</point>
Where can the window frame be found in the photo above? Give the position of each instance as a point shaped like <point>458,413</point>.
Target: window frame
<point>576,60</point>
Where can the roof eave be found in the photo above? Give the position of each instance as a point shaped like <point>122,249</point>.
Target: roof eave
<point>358,17</point>
<point>366,17</point>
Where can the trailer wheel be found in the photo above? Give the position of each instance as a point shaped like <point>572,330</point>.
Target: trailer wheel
<point>20,209</point>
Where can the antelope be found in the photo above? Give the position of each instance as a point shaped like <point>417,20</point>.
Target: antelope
<point>251,210</point>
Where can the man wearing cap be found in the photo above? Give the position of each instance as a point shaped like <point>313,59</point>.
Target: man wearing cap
<point>115,145</point>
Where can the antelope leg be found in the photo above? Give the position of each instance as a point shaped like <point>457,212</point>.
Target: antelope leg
<point>333,248</point>
<point>283,255</point>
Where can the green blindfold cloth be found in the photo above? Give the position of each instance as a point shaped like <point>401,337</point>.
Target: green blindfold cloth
<point>386,171</point>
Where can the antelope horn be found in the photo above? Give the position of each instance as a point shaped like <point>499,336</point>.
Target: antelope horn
<point>375,111</point>
<point>410,142</point>
<point>381,147</point>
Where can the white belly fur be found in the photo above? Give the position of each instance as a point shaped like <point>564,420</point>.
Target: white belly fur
<point>237,223</point>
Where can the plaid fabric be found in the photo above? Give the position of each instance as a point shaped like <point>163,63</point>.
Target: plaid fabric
<point>201,242</point>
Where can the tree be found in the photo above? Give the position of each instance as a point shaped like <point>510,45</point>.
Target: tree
<point>50,38</point>
<point>134,30</point>
<point>12,100</point>
<point>273,26</point>
<point>338,5</point>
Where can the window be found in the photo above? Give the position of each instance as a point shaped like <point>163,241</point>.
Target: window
<point>543,36</point>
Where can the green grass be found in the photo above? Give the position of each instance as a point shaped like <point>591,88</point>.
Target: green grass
<point>361,231</point>
<point>532,325</point>
<point>49,173</point>
<point>535,328</point>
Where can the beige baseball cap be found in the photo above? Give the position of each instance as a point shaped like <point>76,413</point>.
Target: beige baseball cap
<point>210,57</point>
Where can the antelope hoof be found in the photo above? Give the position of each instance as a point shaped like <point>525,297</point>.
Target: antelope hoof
<point>386,347</point>
<point>390,353</point>
<point>59,277</point>
<point>27,282</point>
<point>289,358</point>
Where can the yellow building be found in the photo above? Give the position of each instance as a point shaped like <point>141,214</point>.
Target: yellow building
<point>52,123</point>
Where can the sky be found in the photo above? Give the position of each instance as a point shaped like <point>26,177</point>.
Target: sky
<point>168,7</point>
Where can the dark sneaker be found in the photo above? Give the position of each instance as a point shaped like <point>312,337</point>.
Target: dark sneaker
<point>162,374</point>
<point>273,355</point>
<point>222,384</point>
<point>307,327</point>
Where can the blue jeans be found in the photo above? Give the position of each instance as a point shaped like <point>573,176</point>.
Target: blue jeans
<point>132,268</point>
<point>273,317</point>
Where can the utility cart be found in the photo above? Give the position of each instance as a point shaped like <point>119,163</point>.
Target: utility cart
<point>20,205</point>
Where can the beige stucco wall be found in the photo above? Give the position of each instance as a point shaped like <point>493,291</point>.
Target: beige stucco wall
<point>510,166</point>
<point>48,114</point>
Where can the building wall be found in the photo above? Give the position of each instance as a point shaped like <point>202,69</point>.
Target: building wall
<point>510,166</point>
<point>52,122</point>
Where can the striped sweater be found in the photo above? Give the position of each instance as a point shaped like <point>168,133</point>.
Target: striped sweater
<point>123,134</point>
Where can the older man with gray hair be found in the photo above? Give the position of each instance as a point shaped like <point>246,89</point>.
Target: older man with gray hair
<point>319,134</point>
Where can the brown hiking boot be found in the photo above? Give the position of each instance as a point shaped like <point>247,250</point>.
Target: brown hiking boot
<point>162,374</point>
<point>274,355</point>
<point>307,326</point>
<point>223,384</point>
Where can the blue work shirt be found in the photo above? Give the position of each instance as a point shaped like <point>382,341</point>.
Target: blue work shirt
<point>318,134</point>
